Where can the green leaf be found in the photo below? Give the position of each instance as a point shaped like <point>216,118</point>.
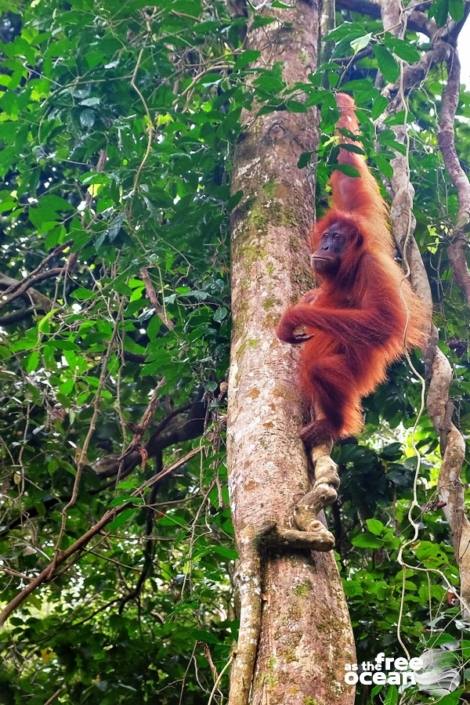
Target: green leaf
<point>137,294</point>
<point>296,106</point>
<point>406,51</point>
<point>391,697</point>
<point>387,138</point>
<point>379,105</point>
<point>270,80</point>
<point>26,342</point>
<point>82,294</point>
<point>32,363</point>
<point>366,540</point>
<point>387,64</point>
<point>439,10</point>
<point>67,387</point>
<point>188,7</point>
<point>7,203</point>
<point>122,518</point>
<point>262,21</point>
<point>361,42</point>
<point>375,527</point>
<point>89,102</point>
<point>345,30</point>
<point>354,148</point>
<point>54,204</point>
<point>230,553</point>
<point>220,314</point>
<point>457,9</point>
<point>392,452</point>
<point>384,165</point>
<point>43,322</point>
<point>453,698</point>
<point>246,57</point>
<point>87,118</point>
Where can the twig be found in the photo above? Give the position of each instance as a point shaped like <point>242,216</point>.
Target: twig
<point>152,296</point>
<point>96,404</point>
<point>148,553</point>
<point>150,127</point>
<point>55,695</point>
<point>163,435</point>
<point>146,419</point>
<point>136,444</point>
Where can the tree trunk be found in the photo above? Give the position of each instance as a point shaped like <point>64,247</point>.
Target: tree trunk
<point>305,637</point>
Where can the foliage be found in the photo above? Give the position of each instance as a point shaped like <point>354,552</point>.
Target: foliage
<point>118,121</point>
<point>116,127</point>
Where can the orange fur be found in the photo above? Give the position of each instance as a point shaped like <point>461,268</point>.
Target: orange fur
<point>364,316</point>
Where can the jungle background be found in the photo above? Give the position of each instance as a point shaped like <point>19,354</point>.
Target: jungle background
<point>117,128</point>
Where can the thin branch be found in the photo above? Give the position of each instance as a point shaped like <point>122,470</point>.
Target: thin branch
<point>149,126</point>
<point>91,428</point>
<point>28,283</point>
<point>152,296</point>
<point>40,301</point>
<point>147,416</point>
<point>55,695</point>
<point>16,289</point>
<point>81,461</point>
<point>135,446</point>
<point>100,164</point>
<point>442,49</point>
<point>415,74</point>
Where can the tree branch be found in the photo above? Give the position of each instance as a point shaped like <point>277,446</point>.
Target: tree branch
<point>28,283</point>
<point>152,296</point>
<point>171,430</point>
<point>17,289</point>
<point>417,22</point>
<point>41,302</point>
<point>458,244</point>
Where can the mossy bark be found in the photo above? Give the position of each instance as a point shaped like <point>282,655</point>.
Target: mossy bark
<point>305,634</point>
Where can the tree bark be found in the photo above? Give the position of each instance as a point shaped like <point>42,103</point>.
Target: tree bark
<point>305,635</point>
